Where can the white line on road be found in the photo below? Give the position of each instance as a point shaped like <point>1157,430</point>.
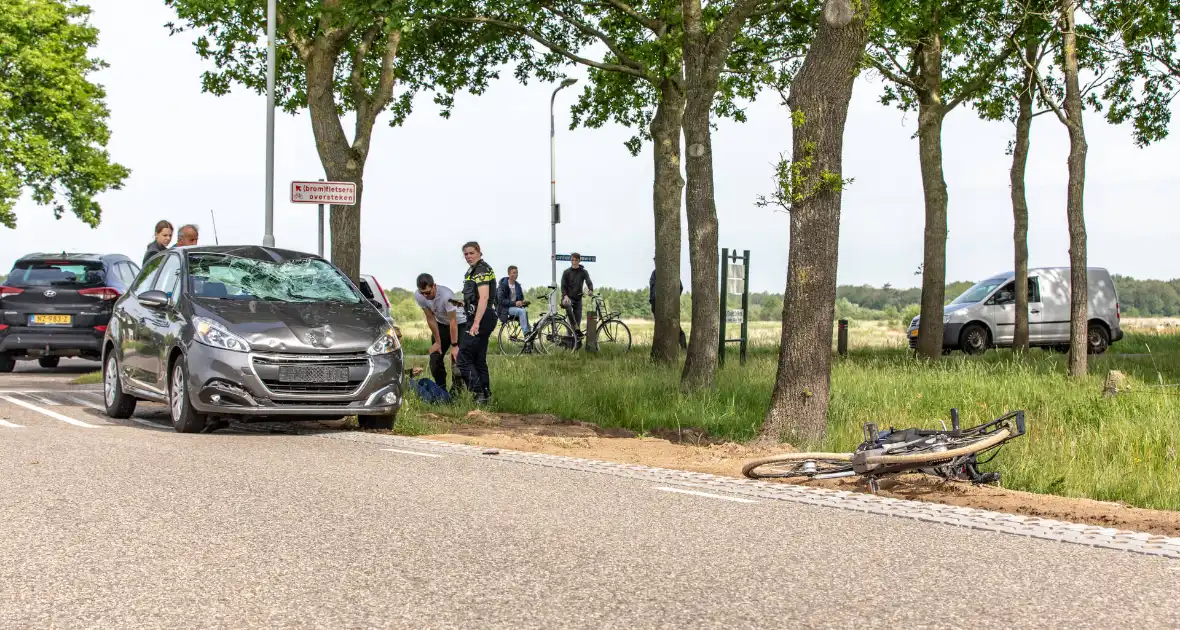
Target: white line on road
<point>51,414</point>
<point>10,425</point>
<point>395,450</point>
<point>705,494</point>
<point>149,423</point>
<point>86,403</point>
<point>43,400</point>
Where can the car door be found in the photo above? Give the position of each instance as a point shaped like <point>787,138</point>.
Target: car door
<point>157,324</point>
<point>1001,311</point>
<point>130,313</point>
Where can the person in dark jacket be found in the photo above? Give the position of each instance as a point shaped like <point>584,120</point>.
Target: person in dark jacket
<point>572,280</point>
<point>512,301</point>
<point>160,242</point>
<point>651,299</point>
<point>481,306</point>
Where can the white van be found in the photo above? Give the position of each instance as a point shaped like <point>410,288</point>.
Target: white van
<point>984,316</point>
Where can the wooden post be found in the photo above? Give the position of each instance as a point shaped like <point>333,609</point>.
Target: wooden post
<point>842,338</point>
<point>592,331</point>
<point>724,303</point>
<point>745,303</point>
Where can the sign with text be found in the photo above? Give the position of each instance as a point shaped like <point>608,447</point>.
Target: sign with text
<point>585,258</point>
<point>335,193</point>
<point>734,315</point>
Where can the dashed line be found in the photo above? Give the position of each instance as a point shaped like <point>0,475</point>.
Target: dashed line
<point>396,450</point>
<point>705,494</point>
<point>10,425</point>
<point>51,414</point>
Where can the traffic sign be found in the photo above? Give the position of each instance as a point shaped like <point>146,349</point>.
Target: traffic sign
<point>585,258</point>
<point>335,193</point>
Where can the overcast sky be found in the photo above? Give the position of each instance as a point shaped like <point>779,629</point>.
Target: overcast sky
<point>435,183</point>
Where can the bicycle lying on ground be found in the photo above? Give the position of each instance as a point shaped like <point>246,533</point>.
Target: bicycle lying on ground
<point>548,332</point>
<point>948,453</point>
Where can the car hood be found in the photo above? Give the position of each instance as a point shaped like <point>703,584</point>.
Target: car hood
<point>946,310</point>
<point>315,327</point>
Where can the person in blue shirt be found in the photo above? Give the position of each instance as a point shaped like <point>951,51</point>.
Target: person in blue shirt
<point>512,300</point>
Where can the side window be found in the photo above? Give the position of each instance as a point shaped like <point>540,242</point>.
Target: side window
<point>148,276</point>
<point>1034,291</point>
<point>124,273</point>
<point>1006,295</point>
<point>169,275</point>
<point>130,270</point>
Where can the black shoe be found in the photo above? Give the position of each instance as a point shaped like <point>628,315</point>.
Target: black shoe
<point>483,399</point>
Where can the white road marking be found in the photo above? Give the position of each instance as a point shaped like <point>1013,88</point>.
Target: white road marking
<point>395,450</point>
<point>149,423</point>
<point>10,425</point>
<point>86,403</point>
<point>51,414</point>
<point>705,494</point>
<point>43,400</point>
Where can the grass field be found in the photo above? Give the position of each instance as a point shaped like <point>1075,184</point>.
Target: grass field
<point>1080,444</point>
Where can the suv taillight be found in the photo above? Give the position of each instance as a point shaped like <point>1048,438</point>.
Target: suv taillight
<point>102,293</point>
<point>5,291</point>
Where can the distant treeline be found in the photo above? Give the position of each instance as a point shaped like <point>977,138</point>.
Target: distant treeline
<point>1138,298</point>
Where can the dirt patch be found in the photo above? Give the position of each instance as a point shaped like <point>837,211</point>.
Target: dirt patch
<point>694,451</point>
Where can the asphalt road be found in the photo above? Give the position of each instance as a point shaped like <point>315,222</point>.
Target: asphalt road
<point>108,524</point>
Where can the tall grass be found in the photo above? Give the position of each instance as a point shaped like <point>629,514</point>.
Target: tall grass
<point>1079,443</point>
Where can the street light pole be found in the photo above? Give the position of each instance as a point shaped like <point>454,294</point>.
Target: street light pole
<point>553,192</point>
<point>268,239</point>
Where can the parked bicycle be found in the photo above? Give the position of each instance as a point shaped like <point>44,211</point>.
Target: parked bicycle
<point>948,453</point>
<point>548,334</point>
<point>613,334</point>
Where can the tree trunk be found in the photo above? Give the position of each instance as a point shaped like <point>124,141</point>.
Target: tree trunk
<point>821,93</point>
<point>931,113</point>
<point>1019,200</point>
<point>700,364</point>
<point>1078,342</point>
<point>666,203</point>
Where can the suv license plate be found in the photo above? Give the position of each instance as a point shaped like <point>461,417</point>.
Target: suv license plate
<point>312,374</point>
<point>51,320</point>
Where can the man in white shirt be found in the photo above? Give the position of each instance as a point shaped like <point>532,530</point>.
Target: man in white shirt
<point>446,320</point>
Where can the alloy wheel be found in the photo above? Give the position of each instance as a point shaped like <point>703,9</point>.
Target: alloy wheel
<point>110,380</point>
<point>177,393</point>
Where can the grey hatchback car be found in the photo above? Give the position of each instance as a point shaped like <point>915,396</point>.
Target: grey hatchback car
<point>254,332</point>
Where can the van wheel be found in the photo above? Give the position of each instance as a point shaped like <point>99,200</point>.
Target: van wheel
<point>1097,338</point>
<point>974,339</point>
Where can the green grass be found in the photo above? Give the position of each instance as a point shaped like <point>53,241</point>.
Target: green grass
<point>1079,443</point>
<point>89,378</point>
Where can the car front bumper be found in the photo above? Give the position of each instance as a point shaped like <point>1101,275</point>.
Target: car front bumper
<point>950,336</point>
<point>51,342</point>
<point>222,382</point>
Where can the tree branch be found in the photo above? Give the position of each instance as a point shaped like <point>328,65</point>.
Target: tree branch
<point>297,40</point>
<point>891,75</point>
<point>357,79</point>
<point>537,37</point>
<point>334,36</point>
<point>717,43</point>
<point>381,96</point>
<point>588,30</point>
<point>985,74</point>
<point>1044,91</point>
<point>653,25</point>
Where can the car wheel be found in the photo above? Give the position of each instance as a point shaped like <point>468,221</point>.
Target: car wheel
<point>7,363</point>
<point>185,419</point>
<point>1097,338</point>
<point>384,423</point>
<point>48,362</point>
<point>974,339</point>
<point>119,405</point>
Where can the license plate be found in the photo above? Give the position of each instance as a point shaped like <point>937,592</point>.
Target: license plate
<point>312,374</point>
<point>914,332</point>
<point>52,320</point>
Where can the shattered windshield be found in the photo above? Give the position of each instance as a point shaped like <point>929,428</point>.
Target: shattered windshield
<point>223,276</point>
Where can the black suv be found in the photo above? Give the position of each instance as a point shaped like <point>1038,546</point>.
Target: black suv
<point>58,305</point>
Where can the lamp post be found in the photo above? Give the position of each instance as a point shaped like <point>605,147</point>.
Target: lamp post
<point>268,239</point>
<point>553,192</point>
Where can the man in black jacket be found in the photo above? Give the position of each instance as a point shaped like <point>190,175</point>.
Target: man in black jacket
<point>572,280</point>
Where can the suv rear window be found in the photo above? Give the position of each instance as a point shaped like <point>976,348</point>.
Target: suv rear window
<point>49,273</point>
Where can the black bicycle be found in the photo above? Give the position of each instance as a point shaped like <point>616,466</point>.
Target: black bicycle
<point>948,453</point>
<point>550,333</point>
<point>613,336</point>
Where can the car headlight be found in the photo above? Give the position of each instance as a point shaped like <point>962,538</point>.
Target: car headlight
<point>211,333</point>
<point>386,343</point>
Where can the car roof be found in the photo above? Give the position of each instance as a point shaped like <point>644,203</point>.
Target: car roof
<point>81,257</point>
<point>254,252</point>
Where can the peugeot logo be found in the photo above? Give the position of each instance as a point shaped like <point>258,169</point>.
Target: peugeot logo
<point>50,293</point>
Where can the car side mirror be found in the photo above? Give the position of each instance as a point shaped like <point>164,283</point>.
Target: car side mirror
<point>153,299</point>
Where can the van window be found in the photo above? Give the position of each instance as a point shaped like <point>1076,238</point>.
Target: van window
<point>978,292</point>
<point>1007,294</point>
<point>1034,290</point>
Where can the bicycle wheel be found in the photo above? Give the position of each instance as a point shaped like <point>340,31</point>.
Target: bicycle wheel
<point>555,335</point>
<point>511,338</point>
<point>613,337</point>
<point>958,448</point>
<point>800,466</point>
